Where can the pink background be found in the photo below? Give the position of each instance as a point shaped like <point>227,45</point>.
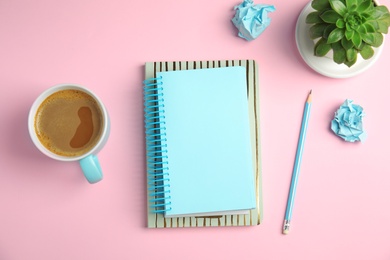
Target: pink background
<point>49,211</point>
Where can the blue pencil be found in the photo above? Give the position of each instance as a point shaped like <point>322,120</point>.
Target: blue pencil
<point>297,165</point>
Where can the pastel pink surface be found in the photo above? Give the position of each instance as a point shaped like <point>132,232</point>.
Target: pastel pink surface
<point>49,211</point>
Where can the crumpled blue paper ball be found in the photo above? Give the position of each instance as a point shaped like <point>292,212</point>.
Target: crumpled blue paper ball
<point>347,122</point>
<point>251,20</point>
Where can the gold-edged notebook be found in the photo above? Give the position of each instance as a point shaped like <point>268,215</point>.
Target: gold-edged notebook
<point>255,216</point>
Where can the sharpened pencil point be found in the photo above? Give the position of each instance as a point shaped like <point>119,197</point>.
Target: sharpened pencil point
<point>309,97</point>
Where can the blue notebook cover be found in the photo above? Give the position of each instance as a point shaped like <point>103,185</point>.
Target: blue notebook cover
<point>204,122</point>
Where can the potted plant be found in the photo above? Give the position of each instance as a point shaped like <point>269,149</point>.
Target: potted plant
<point>347,27</point>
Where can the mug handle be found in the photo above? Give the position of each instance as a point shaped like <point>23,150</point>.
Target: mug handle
<point>91,168</point>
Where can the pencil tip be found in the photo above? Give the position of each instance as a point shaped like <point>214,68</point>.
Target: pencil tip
<point>308,100</point>
<point>310,91</point>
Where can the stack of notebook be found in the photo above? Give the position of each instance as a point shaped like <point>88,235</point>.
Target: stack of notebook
<point>202,141</point>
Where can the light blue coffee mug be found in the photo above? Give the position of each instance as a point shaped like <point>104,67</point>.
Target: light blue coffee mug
<point>88,161</point>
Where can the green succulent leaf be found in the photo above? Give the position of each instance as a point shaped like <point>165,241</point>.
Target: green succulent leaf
<point>378,40</point>
<point>313,17</point>
<point>336,35</point>
<point>373,39</point>
<point>383,24</point>
<point>385,18</point>
<point>366,16</point>
<point>346,44</point>
<point>369,28</point>
<point>339,7</point>
<point>352,54</point>
<point>364,6</point>
<point>340,23</point>
<point>363,19</point>
<point>374,24</point>
<point>351,3</point>
<point>361,29</point>
<point>367,52</point>
<point>349,34</point>
<point>369,38</point>
<point>379,11</point>
<point>328,30</point>
<point>330,16</point>
<point>317,30</point>
<point>339,54</point>
<point>348,27</point>
<point>321,48</point>
<point>320,5</point>
<point>350,63</point>
<point>356,39</point>
<point>360,47</point>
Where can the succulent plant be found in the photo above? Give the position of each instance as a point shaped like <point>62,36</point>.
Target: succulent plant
<point>348,27</point>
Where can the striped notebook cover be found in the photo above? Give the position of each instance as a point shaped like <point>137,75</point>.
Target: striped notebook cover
<point>157,220</point>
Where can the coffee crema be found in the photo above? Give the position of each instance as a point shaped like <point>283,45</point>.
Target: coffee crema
<point>69,122</point>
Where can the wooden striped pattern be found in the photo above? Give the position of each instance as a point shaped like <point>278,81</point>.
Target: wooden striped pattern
<point>256,215</point>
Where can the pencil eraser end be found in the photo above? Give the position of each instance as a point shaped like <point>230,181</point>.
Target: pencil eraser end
<point>285,231</point>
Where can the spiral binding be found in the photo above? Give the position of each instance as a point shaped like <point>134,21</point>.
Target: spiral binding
<point>156,147</point>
